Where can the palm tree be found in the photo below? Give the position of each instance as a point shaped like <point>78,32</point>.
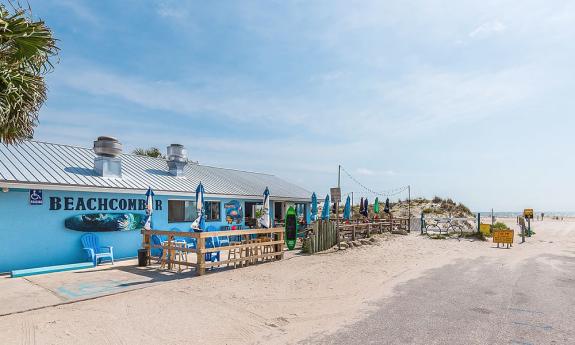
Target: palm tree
<point>151,152</point>
<point>26,49</point>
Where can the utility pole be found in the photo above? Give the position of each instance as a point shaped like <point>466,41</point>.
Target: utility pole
<point>351,210</point>
<point>408,208</point>
<point>492,218</point>
<point>337,205</point>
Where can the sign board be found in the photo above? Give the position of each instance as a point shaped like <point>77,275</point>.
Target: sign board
<point>521,221</point>
<point>503,236</point>
<point>335,194</point>
<point>528,213</point>
<point>485,229</point>
<point>36,197</point>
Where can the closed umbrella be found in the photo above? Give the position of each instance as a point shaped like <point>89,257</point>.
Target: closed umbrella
<point>325,210</point>
<point>264,220</point>
<point>200,222</point>
<point>376,206</point>
<point>365,207</point>
<point>313,207</point>
<point>387,208</point>
<point>149,208</point>
<point>361,206</point>
<point>347,209</point>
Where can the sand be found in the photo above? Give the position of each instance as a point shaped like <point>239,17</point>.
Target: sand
<point>275,303</point>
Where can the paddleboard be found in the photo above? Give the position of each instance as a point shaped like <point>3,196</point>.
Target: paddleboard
<point>291,228</point>
<point>104,222</point>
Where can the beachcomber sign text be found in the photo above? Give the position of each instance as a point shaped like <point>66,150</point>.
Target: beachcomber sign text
<point>99,204</point>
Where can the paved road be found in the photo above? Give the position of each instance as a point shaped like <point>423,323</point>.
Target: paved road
<point>483,301</point>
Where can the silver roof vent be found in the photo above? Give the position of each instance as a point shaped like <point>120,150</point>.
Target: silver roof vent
<point>177,159</point>
<point>107,163</point>
<point>107,147</point>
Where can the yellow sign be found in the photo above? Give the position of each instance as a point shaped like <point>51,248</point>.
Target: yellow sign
<point>485,229</point>
<point>528,213</point>
<point>503,236</point>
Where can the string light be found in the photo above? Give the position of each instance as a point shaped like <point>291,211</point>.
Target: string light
<point>387,193</point>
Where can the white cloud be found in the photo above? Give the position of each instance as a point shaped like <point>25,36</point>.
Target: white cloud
<point>370,172</point>
<point>487,29</point>
<point>365,171</point>
<point>80,11</point>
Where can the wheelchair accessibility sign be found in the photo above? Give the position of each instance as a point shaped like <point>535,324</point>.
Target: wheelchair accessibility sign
<point>36,197</point>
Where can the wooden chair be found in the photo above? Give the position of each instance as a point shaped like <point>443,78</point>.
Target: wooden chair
<point>235,253</point>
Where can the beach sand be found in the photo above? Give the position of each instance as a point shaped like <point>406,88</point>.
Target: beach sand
<point>299,298</point>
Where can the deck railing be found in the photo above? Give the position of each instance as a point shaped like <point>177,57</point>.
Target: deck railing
<point>354,230</point>
<point>267,245</point>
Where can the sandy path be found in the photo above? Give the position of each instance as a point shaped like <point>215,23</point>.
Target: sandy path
<point>276,303</point>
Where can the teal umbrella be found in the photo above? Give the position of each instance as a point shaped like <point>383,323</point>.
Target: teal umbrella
<point>313,207</point>
<point>347,209</point>
<point>325,210</point>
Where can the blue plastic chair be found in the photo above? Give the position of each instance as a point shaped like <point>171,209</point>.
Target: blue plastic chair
<point>95,252</point>
<point>190,242</point>
<point>212,242</point>
<point>156,240</point>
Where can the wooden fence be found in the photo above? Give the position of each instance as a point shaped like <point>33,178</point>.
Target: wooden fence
<point>354,231</point>
<point>267,246</point>
<point>322,237</point>
<point>323,234</point>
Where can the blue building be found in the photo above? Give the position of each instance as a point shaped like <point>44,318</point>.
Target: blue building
<point>47,188</point>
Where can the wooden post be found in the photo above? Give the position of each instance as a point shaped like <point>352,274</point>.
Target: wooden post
<point>353,233</point>
<point>280,247</point>
<point>408,208</point>
<point>146,244</point>
<point>201,245</point>
<point>423,223</point>
<point>316,249</point>
<point>169,257</point>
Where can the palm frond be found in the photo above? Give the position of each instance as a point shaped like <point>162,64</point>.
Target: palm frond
<point>26,49</point>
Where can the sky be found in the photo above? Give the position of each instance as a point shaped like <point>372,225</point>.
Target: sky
<point>472,100</point>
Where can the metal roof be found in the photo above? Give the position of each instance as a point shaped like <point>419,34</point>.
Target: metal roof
<point>33,162</point>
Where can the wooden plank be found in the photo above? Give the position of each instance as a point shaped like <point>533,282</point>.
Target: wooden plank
<point>206,234</point>
<point>247,245</point>
<point>245,258</point>
<point>184,263</point>
<point>175,248</point>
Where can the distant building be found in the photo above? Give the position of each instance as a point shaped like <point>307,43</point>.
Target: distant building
<point>47,189</point>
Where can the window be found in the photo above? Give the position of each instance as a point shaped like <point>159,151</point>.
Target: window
<point>181,211</point>
<point>212,211</point>
<point>278,211</point>
<point>301,212</point>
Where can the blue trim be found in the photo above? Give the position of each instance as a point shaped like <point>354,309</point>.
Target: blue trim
<point>50,269</point>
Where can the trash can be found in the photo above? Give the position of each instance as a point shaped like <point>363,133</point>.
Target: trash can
<point>142,257</point>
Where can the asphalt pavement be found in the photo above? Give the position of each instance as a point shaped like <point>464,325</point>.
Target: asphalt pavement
<point>482,301</point>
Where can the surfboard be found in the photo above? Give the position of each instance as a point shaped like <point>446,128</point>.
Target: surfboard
<point>104,222</point>
<point>291,228</point>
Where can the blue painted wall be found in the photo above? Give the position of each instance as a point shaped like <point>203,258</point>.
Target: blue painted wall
<point>35,236</point>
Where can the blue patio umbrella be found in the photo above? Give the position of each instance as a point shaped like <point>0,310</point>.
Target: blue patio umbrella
<point>264,220</point>
<point>347,209</point>
<point>313,207</point>
<point>200,222</point>
<point>325,210</point>
<point>149,208</point>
